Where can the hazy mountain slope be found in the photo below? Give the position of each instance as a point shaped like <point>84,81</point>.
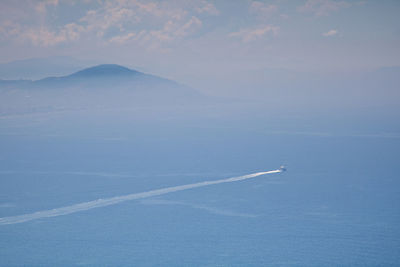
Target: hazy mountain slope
<point>103,86</point>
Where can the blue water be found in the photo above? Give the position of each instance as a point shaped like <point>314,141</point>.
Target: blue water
<point>338,203</point>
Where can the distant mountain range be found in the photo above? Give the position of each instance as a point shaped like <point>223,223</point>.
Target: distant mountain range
<point>104,72</point>
<point>111,86</point>
<point>102,86</point>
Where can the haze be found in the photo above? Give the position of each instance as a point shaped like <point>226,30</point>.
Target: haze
<point>151,133</point>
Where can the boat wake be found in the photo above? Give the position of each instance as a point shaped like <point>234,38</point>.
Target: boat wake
<point>118,199</point>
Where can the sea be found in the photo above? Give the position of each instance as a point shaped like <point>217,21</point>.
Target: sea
<point>338,203</point>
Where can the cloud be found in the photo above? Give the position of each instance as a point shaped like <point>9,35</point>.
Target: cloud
<point>41,7</point>
<point>189,27</point>
<point>45,37</point>
<point>262,9</point>
<point>252,34</point>
<point>101,20</point>
<point>121,39</point>
<point>149,23</point>
<point>208,8</point>
<point>9,28</point>
<point>330,33</point>
<point>155,39</point>
<point>322,7</point>
<point>172,31</point>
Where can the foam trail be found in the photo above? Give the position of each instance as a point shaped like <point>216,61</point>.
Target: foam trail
<point>115,200</point>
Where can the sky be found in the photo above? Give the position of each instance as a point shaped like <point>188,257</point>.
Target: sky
<point>189,40</point>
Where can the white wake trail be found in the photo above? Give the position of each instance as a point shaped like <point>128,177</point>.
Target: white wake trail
<point>115,200</point>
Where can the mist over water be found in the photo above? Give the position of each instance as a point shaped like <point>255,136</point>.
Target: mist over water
<point>334,205</point>
<point>151,133</point>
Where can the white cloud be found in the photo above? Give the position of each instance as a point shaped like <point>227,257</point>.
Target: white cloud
<point>9,28</point>
<point>117,21</point>
<point>330,33</point>
<point>171,31</point>
<point>322,7</point>
<point>101,20</point>
<point>44,37</point>
<point>262,9</point>
<point>208,8</point>
<point>155,39</point>
<point>41,7</point>
<point>132,18</point>
<point>249,35</point>
<point>121,39</point>
<point>189,27</point>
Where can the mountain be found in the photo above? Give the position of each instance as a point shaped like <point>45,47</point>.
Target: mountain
<point>104,70</point>
<point>101,74</point>
<point>97,72</point>
<point>107,86</point>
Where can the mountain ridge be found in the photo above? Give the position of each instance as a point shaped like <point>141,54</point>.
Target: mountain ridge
<point>104,69</point>
<point>109,71</point>
<point>102,86</point>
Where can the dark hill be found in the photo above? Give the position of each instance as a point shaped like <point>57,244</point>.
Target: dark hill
<point>101,73</point>
<point>104,70</point>
<point>104,86</point>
